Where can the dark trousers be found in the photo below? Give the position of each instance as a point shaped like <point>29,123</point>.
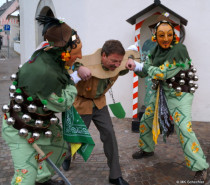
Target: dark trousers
<point>102,120</point>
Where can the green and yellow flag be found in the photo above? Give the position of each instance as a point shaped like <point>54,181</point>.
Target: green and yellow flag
<point>76,133</point>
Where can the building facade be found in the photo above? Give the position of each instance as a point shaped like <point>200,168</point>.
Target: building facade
<point>97,21</point>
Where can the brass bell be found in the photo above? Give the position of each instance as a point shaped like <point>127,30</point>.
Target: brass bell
<point>39,123</point>
<point>195,78</point>
<point>13,77</point>
<point>20,66</point>
<point>196,86</point>
<point>54,120</point>
<point>191,83</point>
<point>11,121</point>
<point>181,82</point>
<point>172,79</point>
<point>48,134</point>
<point>190,74</point>
<point>192,90</point>
<point>5,108</point>
<point>154,86</point>
<point>45,108</point>
<point>32,108</point>
<point>170,85</point>
<point>182,75</point>
<point>36,135</point>
<point>12,88</point>
<point>194,70</point>
<point>11,96</point>
<point>17,108</point>
<point>23,132</point>
<point>26,118</point>
<point>19,99</point>
<point>191,65</point>
<point>178,89</point>
<point>155,81</point>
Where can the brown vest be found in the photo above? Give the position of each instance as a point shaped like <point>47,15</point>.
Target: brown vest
<point>86,95</point>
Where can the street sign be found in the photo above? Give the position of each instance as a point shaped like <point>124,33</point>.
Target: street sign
<point>6,27</point>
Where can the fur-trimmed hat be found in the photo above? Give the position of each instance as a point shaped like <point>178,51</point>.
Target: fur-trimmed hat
<point>57,32</point>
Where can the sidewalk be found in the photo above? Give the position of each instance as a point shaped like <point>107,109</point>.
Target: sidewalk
<point>166,167</point>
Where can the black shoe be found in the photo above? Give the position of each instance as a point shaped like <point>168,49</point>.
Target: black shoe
<point>51,182</point>
<point>66,164</point>
<point>141,154</point>
<point>200,177</point>
<point>118,181</point>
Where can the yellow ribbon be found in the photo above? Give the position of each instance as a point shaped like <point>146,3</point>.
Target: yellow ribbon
<point>156,126</point>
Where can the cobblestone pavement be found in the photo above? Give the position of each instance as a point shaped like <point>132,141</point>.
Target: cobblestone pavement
<point>166,167</point>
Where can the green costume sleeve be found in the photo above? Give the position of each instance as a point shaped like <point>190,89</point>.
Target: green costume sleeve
<point>144,71</point>
<point>167,70</point>
<point>124,72</point>
<point>63,102</point>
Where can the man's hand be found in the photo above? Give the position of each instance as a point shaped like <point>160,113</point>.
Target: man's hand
<point>130,64</point>
<point>84,73</point>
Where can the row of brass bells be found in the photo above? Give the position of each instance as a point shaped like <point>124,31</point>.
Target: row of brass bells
<point>179,89</point>
<point>23,132</point>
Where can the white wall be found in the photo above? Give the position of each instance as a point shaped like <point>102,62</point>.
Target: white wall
<point>97,21</point>
<point>17,47</point>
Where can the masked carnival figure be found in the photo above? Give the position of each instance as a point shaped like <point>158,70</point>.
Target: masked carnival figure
<point>173,77</point>
<point>41,88</point>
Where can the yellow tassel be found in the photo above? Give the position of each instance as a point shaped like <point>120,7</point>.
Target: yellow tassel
<point>156,125</point>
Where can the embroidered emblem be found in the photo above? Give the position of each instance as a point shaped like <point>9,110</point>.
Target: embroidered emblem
<point>194,147</point>
<point>187,161</point>
<point>178,93</point>
<point>177,117</point>
<point>20,176</point>
<point>162,67</point>
<point>148,111</point>
<point>181,138</point>
<point>141,143</point>
<point>189,127</point>
<point>142,128</point>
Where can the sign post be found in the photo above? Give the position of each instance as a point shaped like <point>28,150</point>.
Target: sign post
<point>7,32</point>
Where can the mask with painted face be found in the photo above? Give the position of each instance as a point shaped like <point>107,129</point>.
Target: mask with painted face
<point>165,35</point>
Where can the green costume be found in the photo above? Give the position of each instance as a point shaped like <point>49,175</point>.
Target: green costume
<point>162,65</point>
<point>43,81</point>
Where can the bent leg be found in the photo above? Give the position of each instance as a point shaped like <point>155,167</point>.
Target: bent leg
<point>194,156</point>
<point>25,164</point>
